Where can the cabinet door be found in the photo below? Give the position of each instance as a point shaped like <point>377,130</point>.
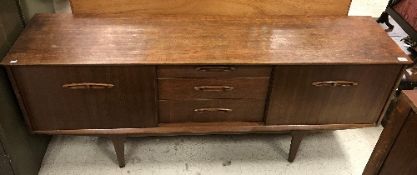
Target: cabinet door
<point>87,97</point>
<point>342,94</point>
<point>402,159</point>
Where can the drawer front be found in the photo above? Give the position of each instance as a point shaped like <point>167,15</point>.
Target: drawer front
<point>225,110</point>
<point>178,89</point>
<point>83,97</point>
<point>213,71</point>
<point>343,94</point>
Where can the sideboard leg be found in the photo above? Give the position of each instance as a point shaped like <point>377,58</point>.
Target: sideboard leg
<point>297,137</point>
<point>119,147</point>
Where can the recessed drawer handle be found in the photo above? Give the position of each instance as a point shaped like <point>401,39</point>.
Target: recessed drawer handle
<point>215,68</point>
<point>213,110</point>
<point>88,86</point>
<point>335,83</point>
<point>214,88</point>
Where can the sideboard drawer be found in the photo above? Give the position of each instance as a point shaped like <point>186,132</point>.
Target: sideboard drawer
<point>88,97</point>
<point>330,94</point>
<point>178,89</point>
<point>213,71</point>
<point>172,111</point>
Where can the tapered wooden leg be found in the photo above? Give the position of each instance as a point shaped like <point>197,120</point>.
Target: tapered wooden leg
<point>297,137</point>
<point>119,147</point>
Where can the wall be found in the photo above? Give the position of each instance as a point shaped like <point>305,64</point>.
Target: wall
<point>31,7</point>
<point>22,150</point>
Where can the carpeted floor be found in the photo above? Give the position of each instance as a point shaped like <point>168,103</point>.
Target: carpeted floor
<point>329,153</point>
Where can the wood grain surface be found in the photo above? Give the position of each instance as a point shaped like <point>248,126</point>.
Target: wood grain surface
<point>395,151</point>
<point>50,106</point>
<point>171,129</point>
<point>248,110</point>
<point>411,97</point>
<point>212,7</point>
<point>54,39</point>
<point>204,71</point>
<point>402,156</point>
<point>295,100</point>
<point>255,88</point>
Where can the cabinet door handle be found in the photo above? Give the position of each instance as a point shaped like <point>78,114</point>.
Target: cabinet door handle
<point>213,110</point>
<point>213,88</point>
<point>215,68</point>
<point>334,83</point>
<point>88,86</point>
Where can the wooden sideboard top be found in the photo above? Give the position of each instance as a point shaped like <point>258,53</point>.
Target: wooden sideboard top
<point>55,39</point>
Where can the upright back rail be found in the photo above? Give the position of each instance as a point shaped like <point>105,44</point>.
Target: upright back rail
<point>213,7</point>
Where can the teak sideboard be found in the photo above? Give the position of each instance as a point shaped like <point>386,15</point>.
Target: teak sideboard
<point>148,75</point>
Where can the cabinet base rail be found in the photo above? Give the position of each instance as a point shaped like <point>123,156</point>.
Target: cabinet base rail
<point>165,129</point>
<point>118,136</point>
